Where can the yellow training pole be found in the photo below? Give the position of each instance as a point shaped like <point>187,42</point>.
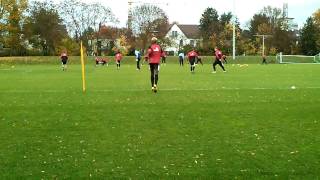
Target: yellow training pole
<point>83,70</point>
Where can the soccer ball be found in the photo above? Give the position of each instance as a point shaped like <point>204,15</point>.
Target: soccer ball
<point>293,87</point>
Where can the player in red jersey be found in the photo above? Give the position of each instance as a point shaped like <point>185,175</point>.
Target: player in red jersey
<point>154,57</point>
<point>64,60</point>
<point>192,56</point>
<point>101,60</point>
<point>218,57</point>
<point>118,58</point>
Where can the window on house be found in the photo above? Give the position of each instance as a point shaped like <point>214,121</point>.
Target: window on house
<point>174,34</point>
<point>192,42</point>
<point>181,43</point>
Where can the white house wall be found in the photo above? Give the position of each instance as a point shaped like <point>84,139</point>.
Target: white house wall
<point>176,40</point>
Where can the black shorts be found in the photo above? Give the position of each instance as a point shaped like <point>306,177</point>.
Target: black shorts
<point>154,68</point>
<point>118,62</point>
<point>64,61</point>
<point>217,61</point>
<point>192,60</point>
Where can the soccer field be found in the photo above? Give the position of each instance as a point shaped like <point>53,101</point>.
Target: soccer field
<point>253,122</point>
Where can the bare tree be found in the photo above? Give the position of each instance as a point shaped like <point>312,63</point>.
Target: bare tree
<point>148,20</point>
<point>79,16</point>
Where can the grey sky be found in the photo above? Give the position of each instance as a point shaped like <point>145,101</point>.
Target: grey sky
<point>189,11</point>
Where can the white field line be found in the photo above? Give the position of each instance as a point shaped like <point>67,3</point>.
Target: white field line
<point>166,89</point>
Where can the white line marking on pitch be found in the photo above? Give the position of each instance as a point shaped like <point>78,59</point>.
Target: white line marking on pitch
<point>136,90</point>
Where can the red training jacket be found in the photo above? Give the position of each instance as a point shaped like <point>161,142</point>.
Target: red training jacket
<point>154,54</point>
<point>118,57</point>
<point>218,54</point>
<point>192,54</point>
<point>163,54</point>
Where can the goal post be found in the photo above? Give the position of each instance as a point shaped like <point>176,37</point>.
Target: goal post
<point>317,58</point>
<point>297,59</point>
<point>279,58</point>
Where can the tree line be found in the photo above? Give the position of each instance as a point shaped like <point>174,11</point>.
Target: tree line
<point>282,36</point>
<point>47,28</point>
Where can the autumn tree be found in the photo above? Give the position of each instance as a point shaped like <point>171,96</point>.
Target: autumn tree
<point>270,21</point>
<point>316,18</point>
<point>226,33</point>
<point>12,25</point>
<point>4,11</point>
<point>45,27</point>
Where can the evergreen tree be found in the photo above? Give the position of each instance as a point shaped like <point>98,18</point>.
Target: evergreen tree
<point>309,37</point>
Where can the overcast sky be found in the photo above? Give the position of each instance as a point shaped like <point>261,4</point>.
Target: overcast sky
<point>189,11</point>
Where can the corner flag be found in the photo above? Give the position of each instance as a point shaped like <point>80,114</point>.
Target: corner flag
<point>83,70</point>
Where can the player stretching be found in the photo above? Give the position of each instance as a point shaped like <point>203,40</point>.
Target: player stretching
<point>154,56</point>
<point>64,60</point>
<point>218,60</point>
<point>118,59</point>
<point>192,55</point>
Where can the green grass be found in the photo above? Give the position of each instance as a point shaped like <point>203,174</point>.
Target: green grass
<point>244,124</point>
<point>126,60</point>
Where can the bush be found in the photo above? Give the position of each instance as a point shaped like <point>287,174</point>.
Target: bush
<point>4,52</point>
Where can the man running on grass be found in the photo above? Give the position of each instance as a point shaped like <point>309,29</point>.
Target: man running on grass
<point>64,60</point>
<point>192,55</point>
<point>218,60</point>
<point>154,57</point>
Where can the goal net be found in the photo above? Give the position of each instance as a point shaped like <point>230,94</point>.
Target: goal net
<point>297,59</point>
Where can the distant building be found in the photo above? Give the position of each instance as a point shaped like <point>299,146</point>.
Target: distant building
<point>181,35</point>
<point>105,39</point>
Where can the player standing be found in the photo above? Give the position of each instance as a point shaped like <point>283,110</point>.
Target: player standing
<point>118,58</point>
<point>154,56</point>
<point>192,55</point>
<point>181,58</point>
<point>218,56</point>
<point>264,59</point>
<point>163,57</point>
<point>138,58</point>
<point>64,60</point>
